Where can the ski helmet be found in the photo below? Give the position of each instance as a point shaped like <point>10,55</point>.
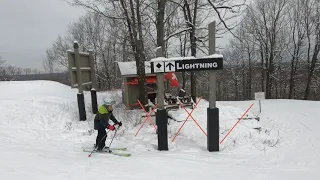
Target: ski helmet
<point>109,101</point>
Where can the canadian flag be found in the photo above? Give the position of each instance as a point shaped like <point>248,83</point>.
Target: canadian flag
<point>173,78</point>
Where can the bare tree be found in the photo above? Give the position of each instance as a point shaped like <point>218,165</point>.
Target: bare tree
<point>1,61</point>
<point>27,71</point>
<point>57,55</point>
<point>283,37</point>
<point>295,41</point>
<point>9,73</point>
<point>247,53</point>
<point>268,19</point>
<point>312,24</point>
<point>160,23</point>
<point>48,65</point>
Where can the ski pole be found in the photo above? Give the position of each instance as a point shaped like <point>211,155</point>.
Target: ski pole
<point>98,144</point>
<point>113,136</point>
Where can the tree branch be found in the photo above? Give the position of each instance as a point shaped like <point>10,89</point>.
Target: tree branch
<point>176,33</point>
<point>219,15</point>
<point>92,7</point>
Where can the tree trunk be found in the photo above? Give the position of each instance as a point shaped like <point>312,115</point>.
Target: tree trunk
<point>312,68</point>
<point>236,88</point>
<point>244,97</point>
<point>137,46</point>
<point>250,78</point>
<point>291,78</point>
<point>140,59</point>
<point>188,18</point>
<point>124,50</point>
<point>262,70</point>
<point>160,24</point>
<point>108,84</point>
<point>270,77</point>
<point>183,54</point>
<point>113,79</point>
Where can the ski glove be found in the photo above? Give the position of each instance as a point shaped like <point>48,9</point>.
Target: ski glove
<point>119,123</point>
<point>111,127</point>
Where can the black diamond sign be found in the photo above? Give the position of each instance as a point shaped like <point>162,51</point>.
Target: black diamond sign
<point>157,67</point>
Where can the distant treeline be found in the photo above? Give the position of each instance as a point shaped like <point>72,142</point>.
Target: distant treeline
<point>63,77</point>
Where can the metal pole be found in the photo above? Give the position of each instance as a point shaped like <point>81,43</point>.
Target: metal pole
<point>93,71</point>
<point>212,111</point>
<point>70,67</point>
<point>260,106</point>
<point>161,114</point>
<point>212,74</point>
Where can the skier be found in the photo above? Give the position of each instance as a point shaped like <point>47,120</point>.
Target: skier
<point>101,122</point>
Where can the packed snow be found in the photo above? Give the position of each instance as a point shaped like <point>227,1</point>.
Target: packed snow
<point>41,137</point>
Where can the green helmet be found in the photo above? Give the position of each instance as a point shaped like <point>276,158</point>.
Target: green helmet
<point>108,101</point>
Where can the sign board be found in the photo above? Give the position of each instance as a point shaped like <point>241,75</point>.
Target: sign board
<point>199,64</point>
<point>169,66</point>
<point>259,96</point>
<point>158,67</point>
<point>86,69</point>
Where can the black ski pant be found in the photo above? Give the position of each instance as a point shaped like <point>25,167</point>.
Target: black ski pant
<point>101,138</point>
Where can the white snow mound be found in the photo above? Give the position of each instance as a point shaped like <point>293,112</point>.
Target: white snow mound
<point>37,104</point>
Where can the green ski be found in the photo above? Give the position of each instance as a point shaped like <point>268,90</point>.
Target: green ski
<point>115,148</point>
<point>107,151</point>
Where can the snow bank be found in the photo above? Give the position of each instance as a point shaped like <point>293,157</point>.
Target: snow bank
<point>37,104</point>
<point>27,90</point>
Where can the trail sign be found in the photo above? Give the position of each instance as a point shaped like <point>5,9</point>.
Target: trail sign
<point>259,96</point>
<point>214,62</point>
<point>199,64</point>
<point>169,66</point>
<point>157,67</point>
<point>81,69</point>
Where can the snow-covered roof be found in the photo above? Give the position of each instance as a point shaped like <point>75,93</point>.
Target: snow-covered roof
<point>214,56</point>
<point>129,68</point>
<point>159,59</point>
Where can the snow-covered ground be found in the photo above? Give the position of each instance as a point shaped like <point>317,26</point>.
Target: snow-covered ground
<point>42,138</point>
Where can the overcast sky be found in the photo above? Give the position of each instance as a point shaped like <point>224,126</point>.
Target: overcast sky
<point>28,28</point>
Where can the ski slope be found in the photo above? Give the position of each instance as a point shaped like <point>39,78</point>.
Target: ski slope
<point>42,138</point>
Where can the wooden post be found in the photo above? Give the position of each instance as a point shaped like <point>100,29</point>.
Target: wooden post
<point>212,111</point>
<point>160,83</point>
<point>80,96</point>
<point>161,114</point>
<point>79,75</point>
<point>94,85</point>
